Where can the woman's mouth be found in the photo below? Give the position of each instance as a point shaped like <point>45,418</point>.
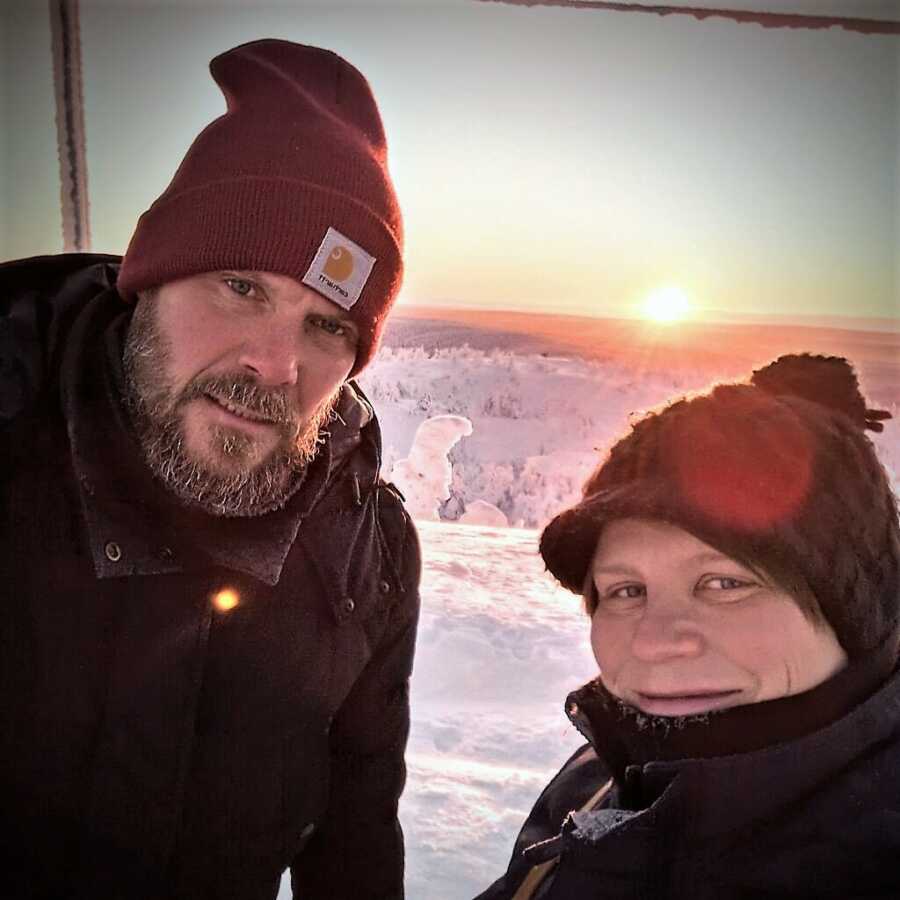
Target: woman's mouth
<point>685,704</point>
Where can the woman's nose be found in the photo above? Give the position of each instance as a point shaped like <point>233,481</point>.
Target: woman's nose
<point>662,635</point>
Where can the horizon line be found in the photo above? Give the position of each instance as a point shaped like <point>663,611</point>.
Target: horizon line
<point>881,323</point>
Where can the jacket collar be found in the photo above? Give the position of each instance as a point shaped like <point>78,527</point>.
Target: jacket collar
<point>771,752</point>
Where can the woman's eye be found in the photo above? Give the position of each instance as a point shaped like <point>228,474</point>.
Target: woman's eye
<point>628,591</point>
<point>724,583</point>
<point>240,286</point>
<point>621,596</point>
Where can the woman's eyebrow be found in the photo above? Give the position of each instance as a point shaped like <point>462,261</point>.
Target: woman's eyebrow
<point>712,556</point>
<point>701,558</point>
<point>615,568</point>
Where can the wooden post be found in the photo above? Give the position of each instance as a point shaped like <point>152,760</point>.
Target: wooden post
<point>66,41</point>
<point>755,17</point>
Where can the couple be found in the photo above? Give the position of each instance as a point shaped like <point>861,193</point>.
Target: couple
<point>212,597</point>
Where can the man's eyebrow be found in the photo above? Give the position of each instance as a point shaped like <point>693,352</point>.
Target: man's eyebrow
<point>249,274</point>
<point>337,316</point>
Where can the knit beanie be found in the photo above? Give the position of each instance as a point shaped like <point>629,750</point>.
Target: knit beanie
<point>776,473</point>
<point>292,179</point>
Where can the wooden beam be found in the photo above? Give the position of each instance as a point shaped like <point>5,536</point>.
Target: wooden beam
<point>766,19</point>
<point>66,48</point>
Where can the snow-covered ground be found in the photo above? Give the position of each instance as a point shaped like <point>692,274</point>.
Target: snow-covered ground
<point>500,645</point>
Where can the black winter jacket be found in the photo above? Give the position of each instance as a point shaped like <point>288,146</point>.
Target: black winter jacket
<point>153,746</point>
<point>816,817</point>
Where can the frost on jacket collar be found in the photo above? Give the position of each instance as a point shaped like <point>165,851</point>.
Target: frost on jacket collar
<point>812,817</point>
<point>644,753</point>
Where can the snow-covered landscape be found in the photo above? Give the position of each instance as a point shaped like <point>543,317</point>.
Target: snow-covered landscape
<point>508,428</point>
<point>523,416</point>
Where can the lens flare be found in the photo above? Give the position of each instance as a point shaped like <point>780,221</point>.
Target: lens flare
<point>750,475</point>
<point>226,599</point>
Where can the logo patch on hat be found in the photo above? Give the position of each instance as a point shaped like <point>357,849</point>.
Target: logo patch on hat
<point>340,269</point>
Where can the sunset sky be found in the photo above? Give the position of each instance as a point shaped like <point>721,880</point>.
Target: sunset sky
<point>546,159</point>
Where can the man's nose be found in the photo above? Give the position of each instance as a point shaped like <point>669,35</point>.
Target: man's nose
<point>666,634</point>
<point>272,354</point>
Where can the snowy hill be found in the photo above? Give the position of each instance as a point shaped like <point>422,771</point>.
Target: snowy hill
<point>543,398</point>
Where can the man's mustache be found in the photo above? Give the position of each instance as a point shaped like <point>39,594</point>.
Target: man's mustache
<point>244,392</point>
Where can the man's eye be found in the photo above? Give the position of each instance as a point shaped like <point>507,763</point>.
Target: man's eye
<point>240,286</point>
<point>330,326</point>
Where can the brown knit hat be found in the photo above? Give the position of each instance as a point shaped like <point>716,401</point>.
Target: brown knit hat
<point>291,179</point>
<point>776,473</point>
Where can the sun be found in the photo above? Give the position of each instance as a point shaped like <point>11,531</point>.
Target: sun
<point>666,304</point>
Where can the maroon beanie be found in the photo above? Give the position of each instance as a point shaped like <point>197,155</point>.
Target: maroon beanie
<point>292,179</point>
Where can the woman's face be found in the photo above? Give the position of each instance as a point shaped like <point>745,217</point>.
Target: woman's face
<point>680,629</point>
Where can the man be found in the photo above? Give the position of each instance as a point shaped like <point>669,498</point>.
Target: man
<point>210,597</point>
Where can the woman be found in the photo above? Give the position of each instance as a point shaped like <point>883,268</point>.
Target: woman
<point>739,555</point>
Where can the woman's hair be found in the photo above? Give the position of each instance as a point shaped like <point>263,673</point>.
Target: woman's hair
<point>776,473</point>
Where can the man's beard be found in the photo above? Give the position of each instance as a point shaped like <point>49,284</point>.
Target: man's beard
<point>236,487</point>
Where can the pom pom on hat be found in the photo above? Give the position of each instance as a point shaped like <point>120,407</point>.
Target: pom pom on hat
<point>300,150</point>
<point>827,380</point>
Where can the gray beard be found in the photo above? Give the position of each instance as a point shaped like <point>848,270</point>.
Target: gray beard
<point>156,415</point>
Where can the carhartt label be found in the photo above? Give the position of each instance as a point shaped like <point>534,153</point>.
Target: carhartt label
<point>340,269</point>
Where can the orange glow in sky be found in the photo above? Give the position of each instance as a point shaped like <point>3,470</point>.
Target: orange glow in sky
<point>666,304</point>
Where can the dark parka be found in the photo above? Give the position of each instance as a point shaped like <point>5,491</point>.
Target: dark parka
<point>153,746</point>
<point>816,817</point>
